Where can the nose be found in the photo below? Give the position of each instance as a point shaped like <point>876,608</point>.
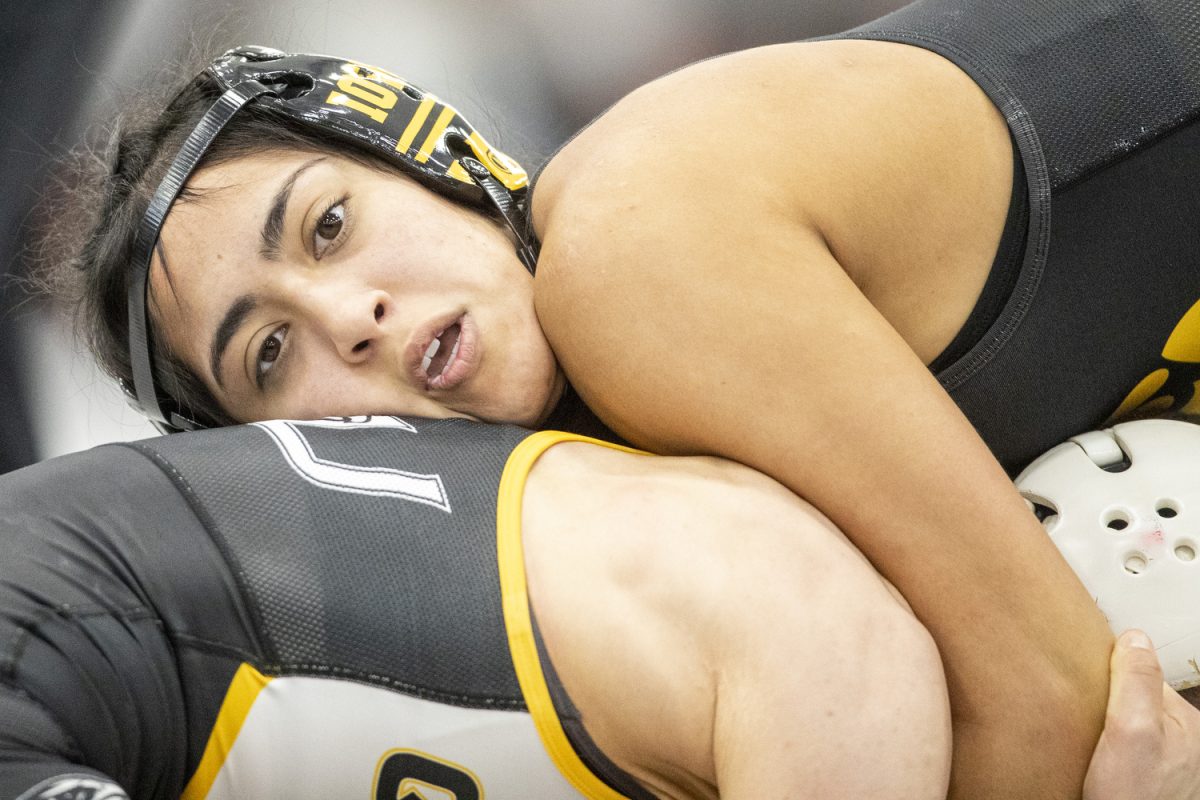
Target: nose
<point>353,321</point>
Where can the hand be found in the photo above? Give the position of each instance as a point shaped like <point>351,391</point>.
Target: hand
<point>1150,748</point>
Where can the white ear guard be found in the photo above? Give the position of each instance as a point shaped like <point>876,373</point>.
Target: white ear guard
<point>1123,506</point>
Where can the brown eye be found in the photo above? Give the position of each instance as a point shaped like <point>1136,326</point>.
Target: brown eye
<point>331,224</point>
<point>268,352</point>
<point>328,228</point>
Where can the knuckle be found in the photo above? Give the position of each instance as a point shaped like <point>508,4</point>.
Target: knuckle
<point>1144,665</point>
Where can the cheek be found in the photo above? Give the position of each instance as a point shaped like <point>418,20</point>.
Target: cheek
<point>326,388</point>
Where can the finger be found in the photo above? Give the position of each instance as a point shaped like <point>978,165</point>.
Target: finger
<point>1135,700</point>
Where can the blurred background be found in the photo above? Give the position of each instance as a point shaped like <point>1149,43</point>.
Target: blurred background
<point>529,72</point>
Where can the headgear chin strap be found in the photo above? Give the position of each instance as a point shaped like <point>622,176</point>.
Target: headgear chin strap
<point>366,107</point>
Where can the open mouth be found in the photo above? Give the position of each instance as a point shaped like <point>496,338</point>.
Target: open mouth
<point>442,352</point>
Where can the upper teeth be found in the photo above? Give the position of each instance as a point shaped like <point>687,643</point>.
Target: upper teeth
<point>430,352</point>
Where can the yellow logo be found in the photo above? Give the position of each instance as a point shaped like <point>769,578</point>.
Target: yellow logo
<point>1175,386</point>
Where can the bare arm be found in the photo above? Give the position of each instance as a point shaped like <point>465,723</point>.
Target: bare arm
<point>701,310</point>
<point>721,638</point>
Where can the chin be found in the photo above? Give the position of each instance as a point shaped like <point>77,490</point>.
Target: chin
<point>526,396</point>
<point>526,410</point>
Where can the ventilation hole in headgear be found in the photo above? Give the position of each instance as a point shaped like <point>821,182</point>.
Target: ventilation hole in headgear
<point>1185,552</point>
<point>1045,513</point>
<point>413,92</point>
<point>1166,509</point>
<point>1136,563</point>
<point>1118,519</point>
<point>457,144</point>
<point>290,85</point>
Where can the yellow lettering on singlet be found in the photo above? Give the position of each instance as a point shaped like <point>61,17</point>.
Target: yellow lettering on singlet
<point>1140,394</point>
<point>1182,349</point>
<point>410,786</point>
<point>1192,406</point>
<point>1184,343</point>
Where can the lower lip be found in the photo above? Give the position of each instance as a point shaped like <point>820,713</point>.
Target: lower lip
<point>465,360</point>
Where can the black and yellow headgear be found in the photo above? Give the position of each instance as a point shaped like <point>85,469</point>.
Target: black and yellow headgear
<point>367,107</point>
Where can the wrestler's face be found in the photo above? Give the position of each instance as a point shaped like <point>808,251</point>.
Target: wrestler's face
<point>300,285</point>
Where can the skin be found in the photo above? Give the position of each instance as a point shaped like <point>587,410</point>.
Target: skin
<point>820,268</point>
<point>367,270</point>
<point>1142,752</point>
<point>850,266</point>
<point>737,645</point>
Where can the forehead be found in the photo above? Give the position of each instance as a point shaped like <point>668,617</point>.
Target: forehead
<point>248,176</point>
<point>210,233</point>
<point>221,209</point>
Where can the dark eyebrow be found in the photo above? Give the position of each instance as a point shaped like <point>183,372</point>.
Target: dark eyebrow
<point>233,319</point>
<point>272,230</point>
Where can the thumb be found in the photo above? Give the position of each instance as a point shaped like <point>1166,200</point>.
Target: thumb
<point>1135,695</point>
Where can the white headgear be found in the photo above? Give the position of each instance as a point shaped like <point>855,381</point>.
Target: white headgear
<point>1123,506</point>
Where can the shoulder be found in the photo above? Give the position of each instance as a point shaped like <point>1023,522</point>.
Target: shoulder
<point>711,595</point>
<point>882,161</point>
<point>779,122</point>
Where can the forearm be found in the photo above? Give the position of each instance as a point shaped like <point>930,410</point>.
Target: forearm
<point>898,468</point>
<point>1024,647</point>
<point>764,351</point>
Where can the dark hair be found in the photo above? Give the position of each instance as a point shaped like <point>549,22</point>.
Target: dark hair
<point>94,278</point>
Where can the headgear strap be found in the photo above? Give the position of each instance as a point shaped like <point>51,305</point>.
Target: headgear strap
<point>194,148</point>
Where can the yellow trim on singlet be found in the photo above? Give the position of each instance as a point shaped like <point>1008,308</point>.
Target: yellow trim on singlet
<point>243,691</point>
<point>515,597</point>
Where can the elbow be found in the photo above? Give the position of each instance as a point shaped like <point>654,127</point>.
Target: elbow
<point>1067,710</point>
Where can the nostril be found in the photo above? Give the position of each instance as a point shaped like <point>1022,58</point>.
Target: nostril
<point>363,345</point>
<point>378,311</point>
